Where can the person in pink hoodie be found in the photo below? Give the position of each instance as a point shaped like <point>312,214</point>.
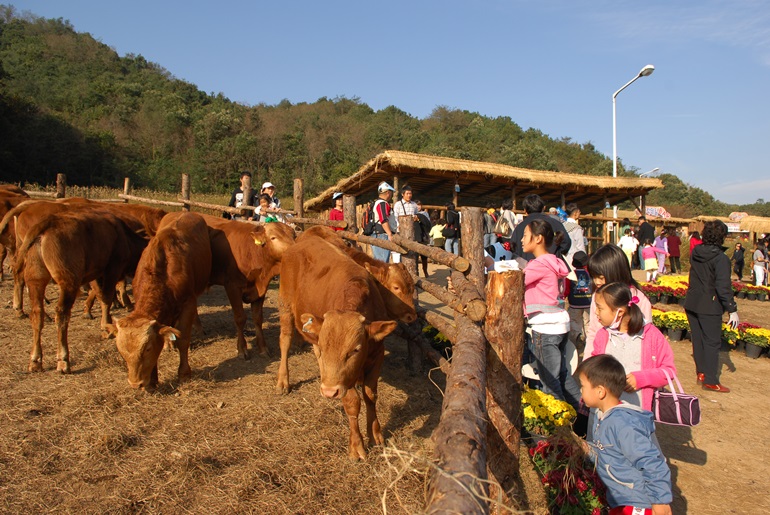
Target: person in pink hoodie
<point>641,348</point>
<point>544,308</point>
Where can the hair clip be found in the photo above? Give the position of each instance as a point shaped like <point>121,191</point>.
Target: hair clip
<point>634,300</point>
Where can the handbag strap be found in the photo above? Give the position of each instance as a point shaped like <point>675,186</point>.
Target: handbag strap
<point>671,384</point>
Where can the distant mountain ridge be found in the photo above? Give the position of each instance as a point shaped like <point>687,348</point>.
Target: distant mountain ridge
<point>70,104</point>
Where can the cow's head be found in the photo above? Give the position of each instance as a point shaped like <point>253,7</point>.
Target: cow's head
<point>397,290</point>
<point>274,238</point>
<point>140,342</point>
<point>342,348</point>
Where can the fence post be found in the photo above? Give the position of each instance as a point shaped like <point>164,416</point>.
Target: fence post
<point>406,230</point>
<point>186,190</point>
<point>504,330</point>
<point>472,239</point>
<point>248,196</point>
<point>61,185</point>
<point>299,199</point>
<point>349,212</point>
<point>126,188</point>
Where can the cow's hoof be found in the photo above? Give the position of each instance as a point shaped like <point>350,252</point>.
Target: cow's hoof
<point>281,390</point>
<point>21,314</point>
<point>184,376</point>
<point>357,453</point>
<point>63,367</point>
<point>35,366</point>
<point>245,355</point>
<point>88,315</point>
<point>378,439</point>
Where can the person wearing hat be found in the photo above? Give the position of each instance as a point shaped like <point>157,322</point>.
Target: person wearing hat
<point>275,203</point>
<point>336,212</point>
<point>382,210</point>
<point>236,199</point>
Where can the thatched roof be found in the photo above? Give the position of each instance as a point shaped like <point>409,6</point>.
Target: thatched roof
<point>433,179</point>
<point>706,218</point>
<point>755,224</point>
<point>633,216</point>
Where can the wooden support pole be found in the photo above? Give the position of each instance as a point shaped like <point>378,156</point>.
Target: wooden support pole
<point>61,185</point>
<point>349,212</point>
<point>299,198</point>
<point>457,485</point>
<point>475,309</point>
<point>504,330</point>
<point>472,237</point>
<point>157,202</point>
<point>247,196</point>
<point>126,188</point>
<point>414,352</point>
<point>436,254</point>
<point>186,190</point>
<point>397,187</point>
<point>455,196</point>
<point>563,202</point>
<point>513,196</point>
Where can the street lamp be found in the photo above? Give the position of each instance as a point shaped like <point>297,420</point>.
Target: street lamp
<point>640,197</point>
<point>647,70</point>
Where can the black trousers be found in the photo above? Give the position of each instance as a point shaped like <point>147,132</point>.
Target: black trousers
<point>706,336</point>
<point>676,266</point>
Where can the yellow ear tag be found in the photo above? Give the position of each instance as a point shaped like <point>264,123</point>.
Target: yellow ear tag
<point>172,337</point>
<point>257,241</point>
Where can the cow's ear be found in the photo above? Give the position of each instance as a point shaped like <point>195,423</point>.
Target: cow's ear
<point>376,272</point>
<point>259,235</point>
<point>310,324</point>
<point>170,336</point>
<point>379,330</point>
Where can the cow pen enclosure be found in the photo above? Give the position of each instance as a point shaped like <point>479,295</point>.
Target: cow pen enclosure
<point>475,466</point>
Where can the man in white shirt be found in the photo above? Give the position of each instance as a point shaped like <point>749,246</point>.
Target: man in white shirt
<point>574,231</point>
<point>404,207</point>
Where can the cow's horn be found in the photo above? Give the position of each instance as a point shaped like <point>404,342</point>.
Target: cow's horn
<point>306,326</point>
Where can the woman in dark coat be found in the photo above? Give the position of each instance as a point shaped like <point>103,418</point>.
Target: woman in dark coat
<point>709,295</point>
<point>739,261</point>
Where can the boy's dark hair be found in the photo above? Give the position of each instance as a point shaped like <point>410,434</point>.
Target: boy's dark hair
<point>695,234</point>
<point>507,204</point>
<point>532,203</point>
<point>627,232</point>
<point>604,370</point>
<point>450,206</point>
<point>571,208</point>
<point>245,173</point>
<point>618,295</point>
<point>643,218</point>
<point>441,221</point>
<point>406,188</point>
<point>611,262</point>
<point>579,259</point>
<point>714,233</point>
<point>542,228</point>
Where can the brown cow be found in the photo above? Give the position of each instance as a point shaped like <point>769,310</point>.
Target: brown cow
<point>246,257</point>
<point>74,248</point>
<point>396,285</point>
<point>7,203</point>
<point>11,190</point>
<point>173,271</point>
<point>336,305</point>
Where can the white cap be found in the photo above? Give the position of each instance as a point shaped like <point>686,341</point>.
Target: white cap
<point>384,186</point>
<point>268,185</point>
<point>337,195</point>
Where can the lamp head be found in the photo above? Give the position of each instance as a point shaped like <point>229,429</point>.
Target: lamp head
<point>647,70</point>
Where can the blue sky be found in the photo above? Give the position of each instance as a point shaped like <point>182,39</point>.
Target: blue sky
<point>704,114</point>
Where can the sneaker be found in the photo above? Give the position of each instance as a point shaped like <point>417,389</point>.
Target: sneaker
<point>716,388</point>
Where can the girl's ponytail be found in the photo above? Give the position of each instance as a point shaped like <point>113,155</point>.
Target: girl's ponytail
<point>618,295</point>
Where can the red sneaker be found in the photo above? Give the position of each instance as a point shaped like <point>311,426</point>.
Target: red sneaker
<point>701,378</point>
<point>716,388</point>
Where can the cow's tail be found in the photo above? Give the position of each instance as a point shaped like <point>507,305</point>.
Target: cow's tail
<point>31,238</point>
<point>13,213</point>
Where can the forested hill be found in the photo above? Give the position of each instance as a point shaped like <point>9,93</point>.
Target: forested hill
<point>70,104</point>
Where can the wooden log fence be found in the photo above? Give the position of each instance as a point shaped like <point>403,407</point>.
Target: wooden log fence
<point>483,394</point>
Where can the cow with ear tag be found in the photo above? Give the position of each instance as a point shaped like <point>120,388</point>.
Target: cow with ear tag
<point>173,271</point>
<point>335,304</point>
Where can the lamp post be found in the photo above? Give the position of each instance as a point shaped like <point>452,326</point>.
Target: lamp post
<point>647,70</point>
<point>642,175</point>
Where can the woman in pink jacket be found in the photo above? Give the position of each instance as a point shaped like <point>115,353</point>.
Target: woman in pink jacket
<point>642,349</point>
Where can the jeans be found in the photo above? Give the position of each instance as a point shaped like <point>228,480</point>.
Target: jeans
<point>641,258</point>
<point>379,252</point>
<point>452,245</point>
<point>490,239</point>
<point>549,351</point>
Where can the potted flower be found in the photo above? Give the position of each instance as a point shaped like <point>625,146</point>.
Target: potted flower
<point>762,292</point>
<point>751,292</point>
<point>652,292</point>
<point>543,413</point>
<point>679,295</point>
<point>664,294</point>
<point>676,322</point>
<point>756,339</point>
<point>731,337</point>
<point>571,483</point>
<point>659,319</point>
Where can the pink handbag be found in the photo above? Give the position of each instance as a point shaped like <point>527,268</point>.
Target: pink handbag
<point>677,409</point>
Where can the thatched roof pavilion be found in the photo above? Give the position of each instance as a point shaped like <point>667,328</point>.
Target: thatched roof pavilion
<point>433,179</point>
<point>759,224</point>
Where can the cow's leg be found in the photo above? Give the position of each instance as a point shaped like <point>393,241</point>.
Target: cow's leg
<point>235,296</point>
<point>197,326</point>
<point>256,316</point>
<point>185,323</point>
<point>88,304</point>
<point>18,292</point>
<point>373,430</point>
<point>36,296</point>
<point>123,297</point>
<point>3,254</point>
<point>105,291</point>
<point>287,330</point>
<point>67,295</point>
<point>352,404</point>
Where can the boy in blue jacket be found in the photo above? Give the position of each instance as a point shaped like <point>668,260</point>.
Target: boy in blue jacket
<point>627,459</point>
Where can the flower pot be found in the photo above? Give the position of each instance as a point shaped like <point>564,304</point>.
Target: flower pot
<point>741,294</point>
<point>675,335</point>
<point>681,301</point>
<point>762,296</point>
<point>740,345</point>
<point>653,298</point>
<point>751,296</point>
<point>664,298</point>
<point>753,351</point>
